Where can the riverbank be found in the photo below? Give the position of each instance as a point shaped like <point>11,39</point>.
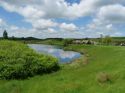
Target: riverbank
<point>79,78</point>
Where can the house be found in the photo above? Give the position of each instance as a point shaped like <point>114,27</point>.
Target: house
<point>85,42</point>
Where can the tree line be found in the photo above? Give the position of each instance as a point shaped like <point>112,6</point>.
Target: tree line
<point>5,36</point>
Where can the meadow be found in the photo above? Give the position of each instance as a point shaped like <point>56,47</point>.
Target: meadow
<point>100,70</point>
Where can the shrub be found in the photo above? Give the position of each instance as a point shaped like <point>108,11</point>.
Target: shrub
<point>66,42</point>
<point>18,61</point>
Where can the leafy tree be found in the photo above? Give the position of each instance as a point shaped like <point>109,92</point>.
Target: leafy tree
<point>89,42</point>
<point>5,34</point>
<point>107,40</point>
<point>13,38</point>
<point>101,39</point>
<point>67,42</point>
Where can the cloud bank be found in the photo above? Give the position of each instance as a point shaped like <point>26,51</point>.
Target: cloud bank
<point>107,17</point>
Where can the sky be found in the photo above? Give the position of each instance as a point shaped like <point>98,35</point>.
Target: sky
<point>62,18</point>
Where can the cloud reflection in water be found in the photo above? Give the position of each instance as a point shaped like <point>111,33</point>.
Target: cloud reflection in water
<point>63,56</point>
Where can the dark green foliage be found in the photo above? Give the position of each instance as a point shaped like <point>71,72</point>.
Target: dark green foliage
<point>107,40</point>
<point>5,34</point>
<point>89,42</point>
<point>66,42</point>
<point>17,61</point>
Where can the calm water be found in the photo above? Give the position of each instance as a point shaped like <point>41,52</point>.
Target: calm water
<point>63,56</point>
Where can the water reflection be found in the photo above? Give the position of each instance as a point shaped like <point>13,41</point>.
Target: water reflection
<point>63,56</point>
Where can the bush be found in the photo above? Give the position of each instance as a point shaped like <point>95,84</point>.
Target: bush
<point>66,42</point>
<point>18,61</point>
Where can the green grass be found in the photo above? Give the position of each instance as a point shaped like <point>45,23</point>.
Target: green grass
<point>75,78</point>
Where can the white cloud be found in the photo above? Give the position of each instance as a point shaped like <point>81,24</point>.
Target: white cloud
<point>51,30</point>
<point>109,26</point>
<point>42,14</point>
<point>107,21</point>
<point>13,28</point>
<point>31,12</point>
<point>97,27</point>
<point>50,8</point>
<point>1,21</point>
<point>112,13</point>
<point>68,27</point>
<point>56,8</point>
<point>42,23</point>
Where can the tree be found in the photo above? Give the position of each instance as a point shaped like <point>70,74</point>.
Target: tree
<point>101,38</point>
<point>13,38</point>
<point>67,42</point>
<point>107,40</point>
<point>89,42</point>
<point>5,34</point>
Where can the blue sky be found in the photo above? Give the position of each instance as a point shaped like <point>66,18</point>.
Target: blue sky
<point>73,1</point>
<point>13,18</point>
<point>62,18</point>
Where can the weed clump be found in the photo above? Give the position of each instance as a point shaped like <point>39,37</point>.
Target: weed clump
<point>103,77</point>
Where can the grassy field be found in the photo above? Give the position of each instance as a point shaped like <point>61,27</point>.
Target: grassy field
<point>82,76</point>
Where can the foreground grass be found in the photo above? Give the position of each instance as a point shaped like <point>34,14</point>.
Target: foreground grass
<point>81,78</point>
